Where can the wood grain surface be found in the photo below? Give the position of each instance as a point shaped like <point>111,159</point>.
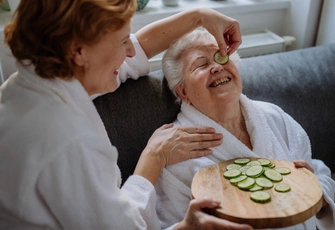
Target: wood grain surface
<point>285,209</point>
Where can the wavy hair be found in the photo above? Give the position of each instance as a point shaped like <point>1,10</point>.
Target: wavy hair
<point>171,63</point>
<point>42,30</point>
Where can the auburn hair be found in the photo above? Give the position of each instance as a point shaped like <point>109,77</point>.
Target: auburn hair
<point>42,30</point>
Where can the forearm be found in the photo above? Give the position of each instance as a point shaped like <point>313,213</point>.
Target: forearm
<point>149,166</point>
<point>157,37</point>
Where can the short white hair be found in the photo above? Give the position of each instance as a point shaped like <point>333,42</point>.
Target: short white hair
<point>171,63</point>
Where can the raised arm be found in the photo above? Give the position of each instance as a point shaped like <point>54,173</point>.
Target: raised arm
<point>157,36</point>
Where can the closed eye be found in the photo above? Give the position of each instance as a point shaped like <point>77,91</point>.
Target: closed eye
<point>200,65</point>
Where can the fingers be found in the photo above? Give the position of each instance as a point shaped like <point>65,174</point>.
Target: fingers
<point>194,130</point>
<point>198,141</point>
<point>230,40</point>
<point>205,202</point>
<point>197,219</point>
<point>303,164</point>
<point>222,45</point>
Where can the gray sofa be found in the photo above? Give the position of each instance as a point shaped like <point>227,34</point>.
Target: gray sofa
<point>302,82</point>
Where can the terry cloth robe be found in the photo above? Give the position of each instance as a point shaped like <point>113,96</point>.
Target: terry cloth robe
<point>273,133</point>
<point>58,169</point>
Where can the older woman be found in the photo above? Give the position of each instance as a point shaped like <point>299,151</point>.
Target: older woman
<point>211,94</point>
<point>58,168</point>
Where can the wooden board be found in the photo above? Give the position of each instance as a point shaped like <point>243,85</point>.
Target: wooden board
<point>285,209</point>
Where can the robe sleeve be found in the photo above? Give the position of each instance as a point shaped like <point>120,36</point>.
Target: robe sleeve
<point>300,146</point>
<point>79,187</point>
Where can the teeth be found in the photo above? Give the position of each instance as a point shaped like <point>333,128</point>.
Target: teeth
<point>220,81</point>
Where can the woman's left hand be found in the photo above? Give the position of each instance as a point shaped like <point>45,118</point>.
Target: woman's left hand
<point>303,164</point>
<point>226,30</point>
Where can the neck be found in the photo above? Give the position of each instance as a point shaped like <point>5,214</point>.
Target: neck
<point>231,118</point>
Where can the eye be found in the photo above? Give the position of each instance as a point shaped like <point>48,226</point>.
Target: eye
<point>200,64</point>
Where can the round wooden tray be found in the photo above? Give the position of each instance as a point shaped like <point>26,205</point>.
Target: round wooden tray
<point>285,209</point>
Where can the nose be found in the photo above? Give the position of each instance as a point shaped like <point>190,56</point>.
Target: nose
<point>130,50</point>
<point>216,68</point>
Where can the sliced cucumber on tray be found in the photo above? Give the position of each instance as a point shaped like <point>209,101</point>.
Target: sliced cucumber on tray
<point>257,175</point>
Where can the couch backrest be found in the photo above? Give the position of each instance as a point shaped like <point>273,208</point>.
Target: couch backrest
<point>302,82</point>
<point>132,113</point>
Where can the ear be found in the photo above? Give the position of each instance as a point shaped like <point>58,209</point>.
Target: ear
<point>180,90</point>
<point>76,53</point>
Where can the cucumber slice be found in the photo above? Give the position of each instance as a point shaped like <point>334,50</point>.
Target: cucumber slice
<point>252,163</point>
<point>218,58</point>
<point>241,161</point>
<point>232,173</point>
<point>264,182</point>
<point>283,170</point>
<point>273,175</point>
<point>264,162</point>
<point>244,168</point>
<point>254,171</point>
<point>260,196</point>
<point>255,188</point>
<point>238,179</point>
<point>272,165</point>
<point>282,187</point>
<point>246,184</point>
<point>233,166</point>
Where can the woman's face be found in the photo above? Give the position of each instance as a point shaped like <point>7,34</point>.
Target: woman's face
<point>101,61</point>
<point>207,83</point>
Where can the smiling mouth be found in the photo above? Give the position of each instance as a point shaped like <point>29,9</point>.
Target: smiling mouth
<point>220,81</point>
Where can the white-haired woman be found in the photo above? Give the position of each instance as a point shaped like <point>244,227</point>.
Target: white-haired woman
<point>210,91</point>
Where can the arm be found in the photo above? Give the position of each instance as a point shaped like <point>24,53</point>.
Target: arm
<point>157,37</point>
<point>170,145</point>
<point>79,189</point>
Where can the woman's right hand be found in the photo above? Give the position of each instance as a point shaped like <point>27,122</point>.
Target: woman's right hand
<point>197,219</point>
<point>170,145</point>
<point>176,144</point>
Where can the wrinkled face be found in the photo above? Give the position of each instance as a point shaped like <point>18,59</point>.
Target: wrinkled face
<point>102,61</point>
<point>206,83</point>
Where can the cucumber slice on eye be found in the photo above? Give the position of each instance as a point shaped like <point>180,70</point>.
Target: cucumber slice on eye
<point>218,58</point>
<point>282,187</point>
<point>260,196</point>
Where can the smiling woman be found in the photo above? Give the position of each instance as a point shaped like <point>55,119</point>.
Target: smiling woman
<point>65,167</point>
<point>210,93</point>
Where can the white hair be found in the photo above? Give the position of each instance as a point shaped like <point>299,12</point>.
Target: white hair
<point>171,63</point>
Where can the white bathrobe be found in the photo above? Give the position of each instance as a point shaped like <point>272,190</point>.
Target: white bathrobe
<point>273,133</point>
<point>58,169</point>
